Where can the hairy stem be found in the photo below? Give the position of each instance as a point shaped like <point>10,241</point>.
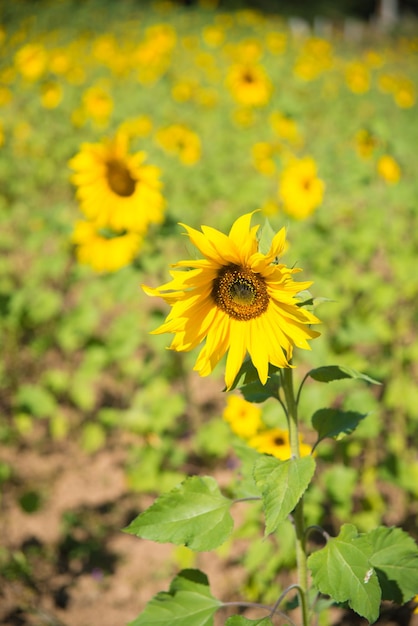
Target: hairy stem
<point>298,517</point>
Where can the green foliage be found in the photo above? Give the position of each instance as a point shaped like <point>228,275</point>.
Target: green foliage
<point>362,569</point>
<point>248,382</point>
<point>335,423</point>
<point>282,484</point>
<point>342,570</point>
<point>189,602</point>
<point>194,514</point>
<point>328,373</point>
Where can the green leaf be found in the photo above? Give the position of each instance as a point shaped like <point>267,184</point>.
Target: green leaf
<point>343,571</point>
<point>239,620</point>
<point>265,236</point>
<point>282,484</point>
<point>334,423</point>
<point>395,558</point>
<point>187,603</point>
<point>328,373</point>
<point>248,382</point>
<point>194,514</point>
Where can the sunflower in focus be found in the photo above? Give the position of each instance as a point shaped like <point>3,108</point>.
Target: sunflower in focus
<point>238,299</point>
<point>249,84</point>
<point>102,249</point>
<point>275,441</point>
<point>300,189</point>
<point>116,189</point>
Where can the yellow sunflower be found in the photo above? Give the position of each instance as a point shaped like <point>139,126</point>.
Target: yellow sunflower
<point>104,252</point>
<point>179,140</point>
<point>388,169</point>
<point>244,418</point>
<point>249,84</point>
<point>275,441</point>
<point>237,299</point>
<point>300,190</point>
<point>116,189</point>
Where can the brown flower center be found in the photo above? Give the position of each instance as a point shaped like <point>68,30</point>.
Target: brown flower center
<point>240,293</point>
<point>119,178</point>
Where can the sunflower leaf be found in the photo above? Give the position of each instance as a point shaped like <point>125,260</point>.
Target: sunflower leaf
<point>282,484</point>
<point>395,559</point>
<point>343,570</point>
<point>189,602</point>
<point>334,423</point>
<point>194,514</point>
<point>328,373</point>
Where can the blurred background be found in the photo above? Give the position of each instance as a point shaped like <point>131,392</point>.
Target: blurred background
<point>304,111</point>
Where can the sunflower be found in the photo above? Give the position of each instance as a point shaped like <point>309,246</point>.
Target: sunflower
<point>104,251</point>
<point>115,188</point>
<point>179,140</point>
<point>238,299</point>
<point>300,190</point>
<point>249,84</point>
<point>388,169</point>
<point>275,441</point>
<point>244,418</point>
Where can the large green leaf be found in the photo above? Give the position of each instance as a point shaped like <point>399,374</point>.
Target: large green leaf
<point>328,373</point>
<point>282,484</point>
<point>194,514</point>
<point>335,422</point>
<point>343,570</point>
<point>187,603</point>
<point>395,558</point>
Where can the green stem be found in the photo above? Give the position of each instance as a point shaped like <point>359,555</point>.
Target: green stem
<point>298,517</point>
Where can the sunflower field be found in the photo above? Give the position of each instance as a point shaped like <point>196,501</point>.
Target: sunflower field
<point>134,136</point>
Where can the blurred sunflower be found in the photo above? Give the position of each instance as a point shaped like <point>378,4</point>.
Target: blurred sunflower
<point>366,143</point>
<point>357,77</point>
<point>104,250</point>
<point>249,84</point>
<point>179,140</point>
<point>388,169</point>
<point>244,418</point>
<point>116,189</point>
<point>31,61</point>
<point>275,441</point>
<point>300,190</point>
<point>237,299</point>
<point>97,104</point>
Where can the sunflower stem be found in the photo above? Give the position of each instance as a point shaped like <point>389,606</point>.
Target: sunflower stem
<point>298,517</point>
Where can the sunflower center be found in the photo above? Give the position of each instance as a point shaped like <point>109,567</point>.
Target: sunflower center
<point>279,441</point>
<point>248,78</point>
<point>119,178</point>
<point>240,293</point>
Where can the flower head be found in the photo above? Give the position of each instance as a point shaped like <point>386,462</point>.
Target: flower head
<point>275,441</point>
<point>116,189</point>
<point>388,169</point>
<point>243,417</point>
<point>104,252</point>
<point>249,84</point>
<point>300,189</point>
<point>238,299</point>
